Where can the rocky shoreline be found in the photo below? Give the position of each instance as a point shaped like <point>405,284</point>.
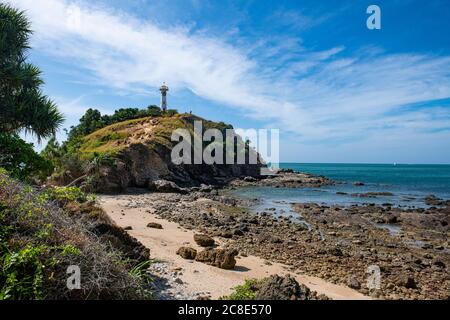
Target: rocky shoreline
<point>335,243</point>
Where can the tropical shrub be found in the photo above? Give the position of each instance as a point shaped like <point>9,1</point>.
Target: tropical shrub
<point>20,159</point>
<point>40,238</point>
<point>246,291</point>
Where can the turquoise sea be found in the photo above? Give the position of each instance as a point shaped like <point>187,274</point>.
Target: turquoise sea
<point>409,184</point>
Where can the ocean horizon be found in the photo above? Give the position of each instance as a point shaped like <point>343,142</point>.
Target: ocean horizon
<point>424,178</point>
<point>406,184</point>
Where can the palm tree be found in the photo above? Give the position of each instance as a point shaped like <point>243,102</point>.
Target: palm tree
<point>23,106</point>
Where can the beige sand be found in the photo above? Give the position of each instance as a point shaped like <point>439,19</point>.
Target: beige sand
<point>196,276</point>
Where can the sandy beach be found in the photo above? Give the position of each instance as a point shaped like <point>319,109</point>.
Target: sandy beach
<point>188,278</point>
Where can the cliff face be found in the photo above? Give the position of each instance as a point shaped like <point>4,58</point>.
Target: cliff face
<point>140,154</point>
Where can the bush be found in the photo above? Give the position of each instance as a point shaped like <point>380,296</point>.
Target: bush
<point>39,240</point>
<point>170,112</point>
<point>64,195</point>
<point>154,111</point>
<point>247,291</point>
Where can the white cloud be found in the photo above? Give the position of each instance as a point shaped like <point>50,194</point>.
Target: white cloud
<point>318,95</point>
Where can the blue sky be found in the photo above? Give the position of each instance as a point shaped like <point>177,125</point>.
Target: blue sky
<point>337,91</point>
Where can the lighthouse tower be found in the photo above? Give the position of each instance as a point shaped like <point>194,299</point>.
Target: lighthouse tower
<point>164,90</point>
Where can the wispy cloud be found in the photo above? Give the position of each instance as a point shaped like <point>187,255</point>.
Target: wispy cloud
<point>319,95</point>
<point>297,21</point>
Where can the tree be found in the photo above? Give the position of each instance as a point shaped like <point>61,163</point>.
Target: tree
<point>154,111</point>
<point>23,106</point>
<point>20,159</point>
<point>92,120</point>
<point>124,114</point>
<point>52,152</point>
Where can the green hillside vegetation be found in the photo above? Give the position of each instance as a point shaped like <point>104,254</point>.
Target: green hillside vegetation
<point>93,120</point>
<point>114,138</point>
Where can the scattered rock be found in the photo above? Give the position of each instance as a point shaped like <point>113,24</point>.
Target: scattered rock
<point>165,186</point>
<point>226,235</point>
<point>220,258</point>
<point>372,194</point>
<point>206,188</point>
<point>432,200</point>
<point>439,264</point>
<point>187,253</point>
<point>392,219</point>
<point>336,252</point>
<point>203,240</point>
<point>407,282</point>
<point>353,283</point>
<point>154,225</point>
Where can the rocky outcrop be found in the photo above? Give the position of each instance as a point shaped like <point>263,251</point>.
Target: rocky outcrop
<point>220,258</point>
<point>284,179</point>
<point>432,200</point>
<point>284,288</point>
<point>145,160</point>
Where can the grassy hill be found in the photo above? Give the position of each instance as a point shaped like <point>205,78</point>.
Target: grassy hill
<point>151,131</point>
<point>137,152</point>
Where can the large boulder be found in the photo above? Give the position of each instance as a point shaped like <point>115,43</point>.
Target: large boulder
<point>154,225</point>
<point>187,253</point>
<point>203,240</point>
<point>284,288</point>
<point>220,258</point>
